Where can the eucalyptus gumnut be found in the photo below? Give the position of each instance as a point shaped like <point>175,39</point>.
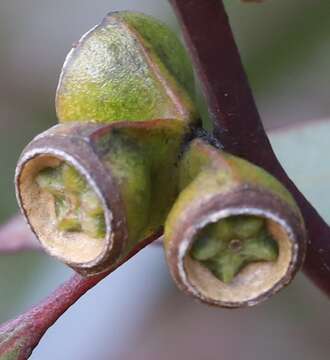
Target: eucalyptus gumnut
<point>123,162</point>
<point>102,181</point>
<point>234,235</point>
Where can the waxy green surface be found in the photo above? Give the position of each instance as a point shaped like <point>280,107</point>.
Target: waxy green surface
<point>229,245</point>
<point>225,247</point>
<point>130,67</point>
<point>143,160</point>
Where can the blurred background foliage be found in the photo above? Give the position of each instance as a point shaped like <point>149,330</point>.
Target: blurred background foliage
<point>137,313</point>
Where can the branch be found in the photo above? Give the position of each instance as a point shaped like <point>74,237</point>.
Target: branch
<point>16,236</point>
<point>20,336</point>
<point>236,120</point>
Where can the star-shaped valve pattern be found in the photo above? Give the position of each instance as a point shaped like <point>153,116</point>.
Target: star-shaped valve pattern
<point>229,245</point>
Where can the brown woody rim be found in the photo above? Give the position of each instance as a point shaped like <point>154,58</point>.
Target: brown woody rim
<point>258,281</point>
<point>71,143</point>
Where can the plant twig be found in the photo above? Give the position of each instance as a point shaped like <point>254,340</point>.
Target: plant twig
<point>15,236</point>
<point>236,120</point>
<point>20,336</point>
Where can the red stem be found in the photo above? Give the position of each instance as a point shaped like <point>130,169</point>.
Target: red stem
<point>237,123</point>
<point>20,336</point>
<point>24,333</point>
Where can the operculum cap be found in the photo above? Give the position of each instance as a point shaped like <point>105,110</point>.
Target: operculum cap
<point>130,67</point>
